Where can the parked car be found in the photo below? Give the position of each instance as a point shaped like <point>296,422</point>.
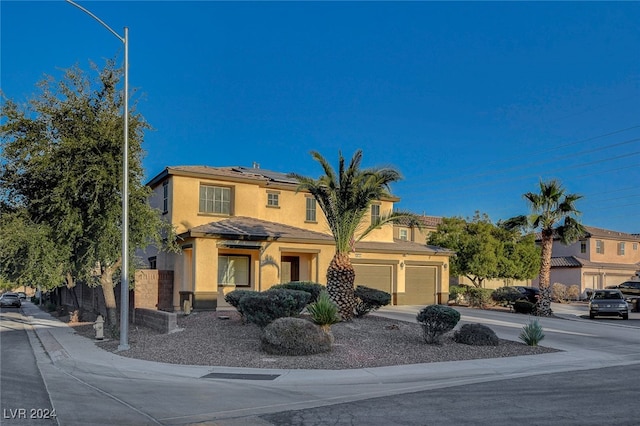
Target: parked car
<point>608,302</point>
<point>531,294</point>
<point>22,295</point>
<point>10,299</point>
<point>628,288</point>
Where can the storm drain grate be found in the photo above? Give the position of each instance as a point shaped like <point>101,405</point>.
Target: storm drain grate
<point>241,376</point>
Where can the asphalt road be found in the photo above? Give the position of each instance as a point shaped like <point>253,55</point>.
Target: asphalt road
<point>24,399</point>
<point>606,396</point>
<point>597,384</point>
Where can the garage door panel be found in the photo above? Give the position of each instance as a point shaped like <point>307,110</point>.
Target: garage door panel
<point>374,276</point>
<point>420,285</point>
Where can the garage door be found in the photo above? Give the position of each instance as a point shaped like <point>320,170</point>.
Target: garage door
<point>374,276</point>
<point>420,285</point>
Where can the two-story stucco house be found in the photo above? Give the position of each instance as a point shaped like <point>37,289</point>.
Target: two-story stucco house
<point>600,259</point>
<point>248,228</point>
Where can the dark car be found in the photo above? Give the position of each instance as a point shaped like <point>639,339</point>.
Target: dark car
<point>10,299</point>
<point>628,288</point>
<point>531,294</point>
<point>22,295</point>
<point>608,302</point>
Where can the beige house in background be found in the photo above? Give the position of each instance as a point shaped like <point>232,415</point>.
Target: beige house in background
<point>600,259</point>
<point>248,228</point>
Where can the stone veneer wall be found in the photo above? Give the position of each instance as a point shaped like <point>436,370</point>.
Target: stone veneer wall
<point>154,289</point>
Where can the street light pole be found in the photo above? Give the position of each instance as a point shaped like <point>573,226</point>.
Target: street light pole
<point>124,281</point>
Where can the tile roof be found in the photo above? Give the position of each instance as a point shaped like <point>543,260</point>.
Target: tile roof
<point>577,262</point>
<point>566,262</point>
<point>427,221</point>
<point>251,229</point>
<point>603,233</point>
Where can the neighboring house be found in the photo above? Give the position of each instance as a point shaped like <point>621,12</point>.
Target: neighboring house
<point>600,259</point>
<point>248,228</point>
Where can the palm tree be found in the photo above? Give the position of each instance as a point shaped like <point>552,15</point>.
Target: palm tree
<point>554,213</point>
<point>345,198</point>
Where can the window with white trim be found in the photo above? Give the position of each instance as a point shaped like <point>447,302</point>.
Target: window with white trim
<point>375,213</point>
<point>583,246</point>
<point>599,246</point>
<point>273,199</point>
<point>621,248</point>
<point>233,270</point>
<point>310,215</point>
<point>165,196</point>
<point>215,199</point>
<point>404,234</point>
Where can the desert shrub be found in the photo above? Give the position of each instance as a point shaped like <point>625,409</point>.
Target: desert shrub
<point>324,311</point>
<point>479,297</point>
<point>456,292</point>
<point>505,295</point>
<point>267,306</point>
<point>559,292</point>
<point>436,320</point>
<point>310,287</point>
<point>532,333</point>
<point>233,298</point>
<point>476,335</point>
<point>294,336</point>
<point>369,299</point>
<point>524,307</point>
<point>573,293</point>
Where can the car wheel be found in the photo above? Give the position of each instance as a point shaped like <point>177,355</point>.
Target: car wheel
<point>625,316</point>
<point>591,316</point>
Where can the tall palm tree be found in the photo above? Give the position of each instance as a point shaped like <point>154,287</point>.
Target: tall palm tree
<point>345,198</point>
<point>554,213</point>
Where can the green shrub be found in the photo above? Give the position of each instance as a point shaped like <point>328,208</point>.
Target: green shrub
<point>505,295</point>
<point>532,333</point>
<point>233,298</point>
<point>479,297</point>
<point>265,307</point>
<point>310,287</point>
<point>369,299</point>
<point>476,335</point>
<point>324,311</point>
<point>436,320</point>
<point>294,336</point>
<point>524,307</point>
<point>457,291</point>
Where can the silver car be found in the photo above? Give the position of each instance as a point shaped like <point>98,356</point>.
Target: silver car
<point>608,302</point>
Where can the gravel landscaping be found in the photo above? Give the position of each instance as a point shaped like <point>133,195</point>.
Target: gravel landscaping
<point>208,338</point>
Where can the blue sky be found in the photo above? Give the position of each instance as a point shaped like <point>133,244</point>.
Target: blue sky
<point>473,102</point>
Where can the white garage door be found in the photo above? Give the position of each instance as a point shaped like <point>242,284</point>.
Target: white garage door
<point>374,276</point>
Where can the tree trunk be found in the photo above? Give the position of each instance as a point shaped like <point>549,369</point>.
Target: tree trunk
<point>71,287</point>
<point>340,279</point>
<point>543,307</point>
<point>106,282</point>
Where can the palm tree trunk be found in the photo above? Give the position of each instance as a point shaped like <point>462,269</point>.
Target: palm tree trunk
<point>340,279</point>
<point>544,302</point>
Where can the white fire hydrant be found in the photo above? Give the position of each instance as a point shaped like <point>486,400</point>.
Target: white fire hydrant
<point>98,326</point>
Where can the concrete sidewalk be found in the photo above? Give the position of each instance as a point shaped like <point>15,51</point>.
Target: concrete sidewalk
<point>284,390</point>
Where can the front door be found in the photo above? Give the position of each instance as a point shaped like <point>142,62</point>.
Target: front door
<point>290,268</point>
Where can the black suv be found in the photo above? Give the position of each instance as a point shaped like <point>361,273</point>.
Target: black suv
<point>628,288</point>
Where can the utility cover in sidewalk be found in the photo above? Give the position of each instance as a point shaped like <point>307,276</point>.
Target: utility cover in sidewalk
<point>241,376</point>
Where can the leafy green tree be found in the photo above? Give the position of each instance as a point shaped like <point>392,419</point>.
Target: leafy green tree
<point>345,198</point>
<point>62,170</point>
<point>486,251</point>
<point>554,213</point>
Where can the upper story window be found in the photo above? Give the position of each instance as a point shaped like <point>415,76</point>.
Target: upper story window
<point>153,262</point>
<point>215,199</point>
<point>583,246</point>
<point>621,247</point>
<point>635,246</point>
<point>600,246</point>
<point>273,199</point>
<point>404,234</point>
<point>311,210</point>
<point>165,197</point>
<point>375,213</point>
